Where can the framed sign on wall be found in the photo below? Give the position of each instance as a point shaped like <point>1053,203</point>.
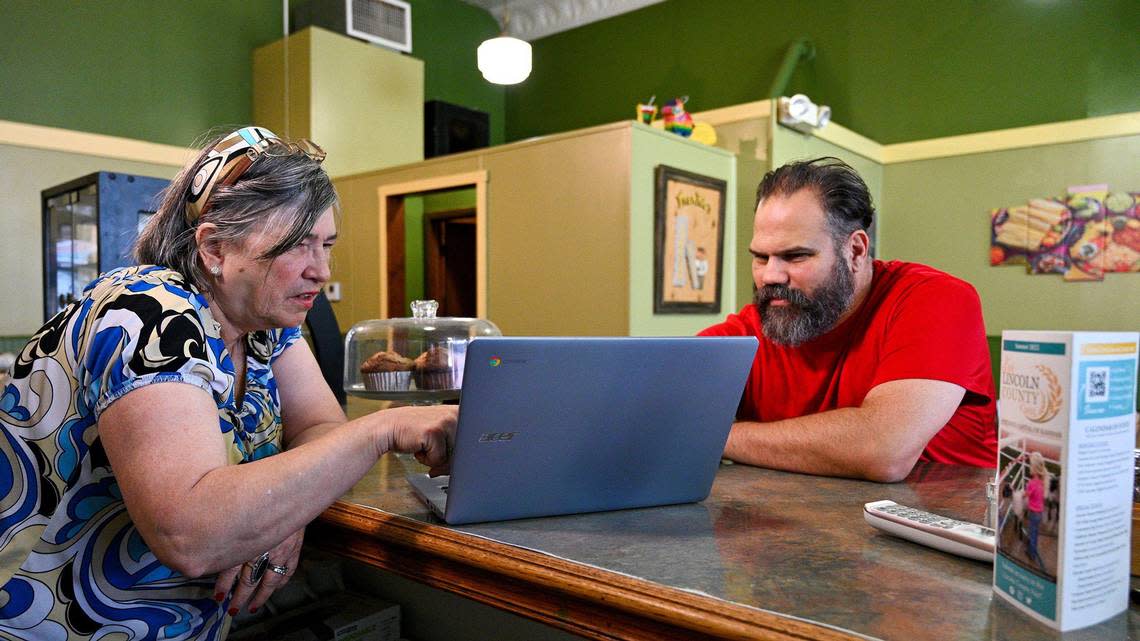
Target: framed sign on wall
<point>688,242</point>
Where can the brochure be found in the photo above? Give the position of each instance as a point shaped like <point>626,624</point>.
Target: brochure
<point>1066,432</point>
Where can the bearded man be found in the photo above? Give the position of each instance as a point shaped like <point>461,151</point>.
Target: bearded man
<point>864,366</point>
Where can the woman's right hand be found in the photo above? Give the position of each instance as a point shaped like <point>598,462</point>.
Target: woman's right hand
<point>428,432</point>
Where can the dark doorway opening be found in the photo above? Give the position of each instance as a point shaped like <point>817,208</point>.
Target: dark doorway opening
<point>449,261</point>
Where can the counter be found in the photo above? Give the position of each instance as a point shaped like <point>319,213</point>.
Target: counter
<point>769,555</point>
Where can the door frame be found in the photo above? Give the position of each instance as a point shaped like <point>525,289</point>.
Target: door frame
<point>393,229</point>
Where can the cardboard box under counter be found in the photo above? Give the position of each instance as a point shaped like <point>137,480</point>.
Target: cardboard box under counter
<point>1066,433</point>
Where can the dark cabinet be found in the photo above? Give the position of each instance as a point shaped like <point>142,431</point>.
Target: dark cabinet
<point>89,227</point>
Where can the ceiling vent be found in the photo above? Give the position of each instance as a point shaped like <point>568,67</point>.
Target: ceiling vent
<point>385,22</point>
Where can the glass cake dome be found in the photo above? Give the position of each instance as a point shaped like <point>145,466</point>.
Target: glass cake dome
<point>416,360</point>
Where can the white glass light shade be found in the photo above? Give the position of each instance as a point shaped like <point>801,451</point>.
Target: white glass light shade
<point>504,60</point>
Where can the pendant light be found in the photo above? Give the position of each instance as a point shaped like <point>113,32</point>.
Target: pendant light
<point>504,60</point>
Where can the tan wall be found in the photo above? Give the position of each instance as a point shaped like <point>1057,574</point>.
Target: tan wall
<point>558,237</point>
<point>557,233</point>
<point>362,103</point>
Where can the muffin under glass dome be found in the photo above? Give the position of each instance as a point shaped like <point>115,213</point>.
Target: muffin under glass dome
<point>415,360</point>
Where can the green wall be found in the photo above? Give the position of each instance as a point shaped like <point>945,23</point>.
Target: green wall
<point>652,147</point>
<point>892,70</point>
<point>937,212</point>
<point>445,35</point>
<point>167,70</point>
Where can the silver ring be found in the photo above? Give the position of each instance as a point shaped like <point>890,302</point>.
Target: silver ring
<point>283,570</point>
<point>257,568</point>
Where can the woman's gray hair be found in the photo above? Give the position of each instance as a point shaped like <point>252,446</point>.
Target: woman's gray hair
<point>277,192</point>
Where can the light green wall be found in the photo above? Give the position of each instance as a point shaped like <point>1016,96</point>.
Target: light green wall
<point>789,145</point>
<point>449,200</point>
<point>937,213</point>
<point>652,147</point>
<point>24,172</point>
<point>413,253</point>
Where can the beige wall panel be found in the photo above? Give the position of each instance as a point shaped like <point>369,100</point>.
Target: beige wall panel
<point>269,75</point>
<point>558,236</point>
<point>363,104</point>
<point>427,170</point>
<point>356,254</point>
<point>558,232</point>
<point>367,104</point>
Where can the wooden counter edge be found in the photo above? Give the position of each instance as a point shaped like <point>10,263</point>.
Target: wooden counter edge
<point>582,599</point>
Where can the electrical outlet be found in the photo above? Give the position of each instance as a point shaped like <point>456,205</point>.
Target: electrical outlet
<point>332,291</point>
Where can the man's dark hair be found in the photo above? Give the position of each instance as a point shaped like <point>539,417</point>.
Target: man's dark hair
<point>842,193</point>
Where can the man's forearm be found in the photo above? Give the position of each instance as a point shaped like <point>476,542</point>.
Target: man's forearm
<point>880,440</point>
<point>840,442</point>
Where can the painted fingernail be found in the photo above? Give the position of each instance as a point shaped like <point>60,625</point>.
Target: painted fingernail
<point>220,596</point>
<point>253,610</point>
<point>232,612</point>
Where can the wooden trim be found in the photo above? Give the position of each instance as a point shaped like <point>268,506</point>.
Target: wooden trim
<point>841,136</point>
<point>481,245</point>
<point>1055,133</point>
<point>479,154</point>
<point>396,263</point>
<point>79,142</point>
<point>1126,124</point>
<point>389,194</point>
<point>725,115</point>
<point>585,600</point>
<point>735,113</point>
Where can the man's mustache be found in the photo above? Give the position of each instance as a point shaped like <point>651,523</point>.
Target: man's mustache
<point>794,296</point>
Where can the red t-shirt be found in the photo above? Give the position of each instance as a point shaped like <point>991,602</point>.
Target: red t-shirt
<point>916,322</point>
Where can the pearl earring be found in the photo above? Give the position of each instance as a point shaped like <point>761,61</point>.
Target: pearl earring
<point>216,270</point>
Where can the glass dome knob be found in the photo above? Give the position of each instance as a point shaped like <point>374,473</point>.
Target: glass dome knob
<point>424,308</point>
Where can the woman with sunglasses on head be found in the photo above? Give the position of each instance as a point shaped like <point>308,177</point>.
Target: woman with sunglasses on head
<point>163,440</point>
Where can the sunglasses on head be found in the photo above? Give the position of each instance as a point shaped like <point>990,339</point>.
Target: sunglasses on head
<point>232,156</point>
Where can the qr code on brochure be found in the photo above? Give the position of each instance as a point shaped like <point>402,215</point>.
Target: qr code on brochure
<point>1096,385</point>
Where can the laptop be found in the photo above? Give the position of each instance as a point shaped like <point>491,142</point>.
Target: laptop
<point>551,426</point>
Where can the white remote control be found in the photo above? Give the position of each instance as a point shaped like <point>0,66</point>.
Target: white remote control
<point>949,535</point>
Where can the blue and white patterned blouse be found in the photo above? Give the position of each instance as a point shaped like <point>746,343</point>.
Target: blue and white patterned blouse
<point>72,563</point>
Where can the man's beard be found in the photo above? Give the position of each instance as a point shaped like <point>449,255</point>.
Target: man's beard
<point>805,317</point>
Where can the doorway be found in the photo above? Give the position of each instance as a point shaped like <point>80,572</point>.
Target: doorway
<point>449,261</point>
<point>451,209</point>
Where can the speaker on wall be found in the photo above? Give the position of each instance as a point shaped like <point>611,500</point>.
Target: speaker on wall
<point>450,129</point>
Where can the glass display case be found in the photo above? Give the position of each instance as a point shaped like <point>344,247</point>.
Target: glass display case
<point>89,226</point>
<point>414,360</point>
